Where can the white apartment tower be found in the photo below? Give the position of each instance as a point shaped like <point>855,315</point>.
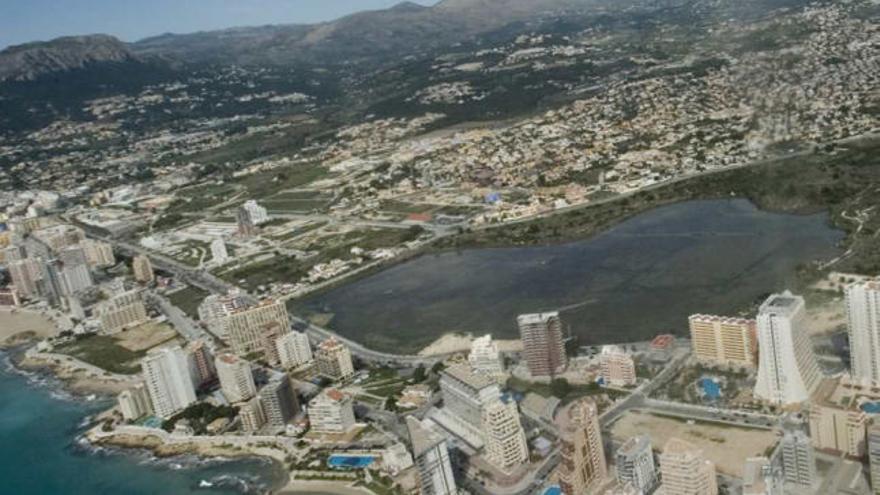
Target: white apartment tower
<point>788,371</point>
<point>331,411</point>
<point>168,380</point>
<point>236,378</point>
<point>863,319</point>
<point>294,349</point>
<point>685,471</point>
<point>485,357</point>
<point>798,456</point>
<point>874,456</point>
<point>432,460</point>
<point>635,464</point>
<point>505,440</point>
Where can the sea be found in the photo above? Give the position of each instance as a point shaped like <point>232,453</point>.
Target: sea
<point>42,451</point>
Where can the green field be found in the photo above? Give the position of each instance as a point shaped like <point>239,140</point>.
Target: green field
<point>104,352</point>
<point>188,300</point>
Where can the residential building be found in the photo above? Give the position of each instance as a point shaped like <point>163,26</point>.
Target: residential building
<point>788,371</point>
<point>331,411</point>
<point>125,310</point>
<point>582,466</point>
<point>505,439</point>
<point>718,340</point>
<point>143,269</point>
<point>294,349</point>
<point>874,455</point>
<point>134,402</point>
<point>57,237</point>
<point>201,362</point>
<point>219,254</point>
<point>26,275</point>
<point>168,380</point>
<point>840,429</point>
<point>236,378</point>
<point>9,297</point>
<point>432,459</point>
<point>685,471</point>
<point>244,328</point>
<point>215,307</point>
<point>257,213</point>
<point>272,331</point>
<point>252,415</point>
<point>543,344</point>
<point>761,477</point>
<point>98,253</point>
<point>66,279</point>
<point>798,457</point>
<point>635,465</point>
<point>617,368</point>
<point>863,324</point>
<point>485,357</point>
<point>466,393</point>
<point>334,359</point>
<point>279,400</point>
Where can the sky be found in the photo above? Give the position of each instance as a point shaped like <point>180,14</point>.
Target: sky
<point>22,21</point>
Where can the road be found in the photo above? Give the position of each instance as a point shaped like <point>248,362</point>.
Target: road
<point>186,327</point>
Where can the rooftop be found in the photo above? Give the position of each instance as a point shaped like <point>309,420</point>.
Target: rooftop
<point>464,373</point>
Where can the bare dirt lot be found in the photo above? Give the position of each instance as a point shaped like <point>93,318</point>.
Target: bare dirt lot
<point>145,337</point>
<point>726,446</point>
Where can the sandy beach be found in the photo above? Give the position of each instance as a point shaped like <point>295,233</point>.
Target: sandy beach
<point>21,324</point>
<point>457,342</point>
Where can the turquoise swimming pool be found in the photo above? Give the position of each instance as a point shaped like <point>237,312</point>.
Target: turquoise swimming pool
<point>350,461</point>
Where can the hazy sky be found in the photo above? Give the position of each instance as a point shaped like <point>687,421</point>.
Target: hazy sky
<point>29,20</point>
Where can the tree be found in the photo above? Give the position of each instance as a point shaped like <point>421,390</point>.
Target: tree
<point>560,387</point>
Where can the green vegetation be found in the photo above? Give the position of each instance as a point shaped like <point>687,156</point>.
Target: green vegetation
<point>559,388</point>
<point>200,415</point>
<point>104,352</point>
<point>188,300</point>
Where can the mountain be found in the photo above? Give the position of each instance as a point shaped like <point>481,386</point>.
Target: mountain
<point>33,60</point>
<point>406,28</point>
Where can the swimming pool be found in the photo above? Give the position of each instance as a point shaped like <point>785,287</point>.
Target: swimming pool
<point>553,490</point>
<point>350,461</point>
<point>871,407</point>
<point>711,388</point>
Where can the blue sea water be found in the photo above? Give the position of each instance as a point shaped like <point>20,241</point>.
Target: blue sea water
<point>41,454</point>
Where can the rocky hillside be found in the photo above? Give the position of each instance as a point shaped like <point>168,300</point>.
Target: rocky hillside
<point>32,60</point>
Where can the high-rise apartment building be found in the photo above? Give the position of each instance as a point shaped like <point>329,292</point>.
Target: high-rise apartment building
<point>201,362</point>
<point>505,439</point>
<point>334,359</point>
<point>838,428</point>
<point>294,349</point>
<point>863,324</point>
<point>798,456</point>
<point>125,310</point>
<point>279,400</point>
<point>617,368</point>
<point>788,371</point>
<point>142,268</point>
<point>685,471</point>
<point>874,456</point>
<point>583,465</point>
<point>466,393</point>
<point>26,275</point>
<point>331,411</point>
<point>718,340</point>
<point>635,465</point>
<point>98,253</point>
<point>432,459</point>
<point>236,378</point>
<point>216,307</point>
<point>543,343</point>
<point>134,402</point>
<point>272,331</point>
<point>245,328</point>
<point>485,357</point>
<point>252,415</point>
<point>168,380</point>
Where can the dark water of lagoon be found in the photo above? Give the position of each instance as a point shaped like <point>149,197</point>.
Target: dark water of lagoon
<point>640,278</point>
